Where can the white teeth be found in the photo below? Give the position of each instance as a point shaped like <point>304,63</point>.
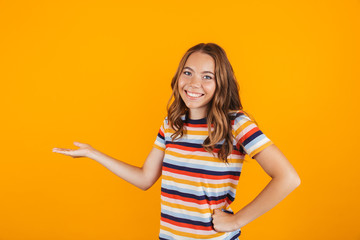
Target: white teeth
<point>193,95</point>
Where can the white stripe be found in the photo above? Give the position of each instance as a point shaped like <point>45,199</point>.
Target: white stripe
<point>257,145</point>
<point>198,128</point>
<point>204,162</point>
<point>191,204</point>
<point>187,212</point>
<point>199,189</point>
<point>160,144</point>
<point>240,121</point>
<point>193,137</point>
<point>186,136</point>
<point>245,131</point>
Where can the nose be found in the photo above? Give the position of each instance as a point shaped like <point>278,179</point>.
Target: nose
<point>195,81</point>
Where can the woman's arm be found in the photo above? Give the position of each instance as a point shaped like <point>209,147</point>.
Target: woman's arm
<point>284,181</point>
<point>142,177</point>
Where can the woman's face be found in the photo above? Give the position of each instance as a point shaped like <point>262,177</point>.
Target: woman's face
<point>197,83</point>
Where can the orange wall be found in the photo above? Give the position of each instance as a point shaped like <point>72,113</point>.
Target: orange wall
<point>100,72</point>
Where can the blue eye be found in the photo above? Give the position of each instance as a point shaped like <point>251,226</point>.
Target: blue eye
<point>186,72</point>
<point>208,76</point>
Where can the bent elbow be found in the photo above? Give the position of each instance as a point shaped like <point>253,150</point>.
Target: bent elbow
<point>296,181</point>
<point>145,187</point>
<point>291,181</point>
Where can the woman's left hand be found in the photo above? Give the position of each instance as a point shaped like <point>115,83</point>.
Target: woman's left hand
<point>224,222</point>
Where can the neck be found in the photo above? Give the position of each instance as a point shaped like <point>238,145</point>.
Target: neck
<point>195,116</point>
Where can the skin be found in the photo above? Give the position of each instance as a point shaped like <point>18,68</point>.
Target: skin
<point>198,76</point>
<point>271,159</point>
<point>284,181</point>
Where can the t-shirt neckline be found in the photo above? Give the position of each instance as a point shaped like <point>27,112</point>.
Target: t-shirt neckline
<point>195,121</point>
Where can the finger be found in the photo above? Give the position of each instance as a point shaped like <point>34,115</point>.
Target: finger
<point>79,144</point>
<point>60,149</point>
<point>68,152</point>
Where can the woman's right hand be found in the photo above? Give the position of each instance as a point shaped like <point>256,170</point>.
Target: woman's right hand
<point>84,150</point>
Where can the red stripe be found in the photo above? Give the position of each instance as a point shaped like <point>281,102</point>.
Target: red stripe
<point>228,201</point>
<point>192,200</point>
<point>197,125</point>
<point>200,175</point>
<point>161,133</point>
<point>248,134</point>
<point>186,225</point>
<point>176,146</point>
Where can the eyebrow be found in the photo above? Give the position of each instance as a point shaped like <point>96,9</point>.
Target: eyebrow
<point>194,71</point>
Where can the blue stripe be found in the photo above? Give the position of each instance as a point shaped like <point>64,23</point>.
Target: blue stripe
<point>202,166</point>
<point>198,193</point>
<point>161,137</point>
<point>181,215</point>
<point>253,139</point>
<point>203,197</point>
<point>227,211</point>
<point>163,236</point>
<point>235,237</point>
<point>184,220</point>
<point>203,171</point>
<point>198,144</point>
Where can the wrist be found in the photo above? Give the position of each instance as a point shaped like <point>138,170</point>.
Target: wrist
<point>239,220</point>
<point>92,153</point>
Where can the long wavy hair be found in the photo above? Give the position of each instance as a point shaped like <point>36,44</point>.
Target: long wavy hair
<point>226,99</point>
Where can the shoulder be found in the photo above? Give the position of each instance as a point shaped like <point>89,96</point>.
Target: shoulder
<point>237,115</point>
<point>239,119</point>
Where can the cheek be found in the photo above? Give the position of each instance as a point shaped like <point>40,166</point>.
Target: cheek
<point>181,83</point>
<point>210,88</point>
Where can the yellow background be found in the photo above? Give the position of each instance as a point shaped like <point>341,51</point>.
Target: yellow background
<point>100,72</point>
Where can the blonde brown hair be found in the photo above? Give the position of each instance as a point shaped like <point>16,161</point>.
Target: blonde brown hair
<point>226,99</point>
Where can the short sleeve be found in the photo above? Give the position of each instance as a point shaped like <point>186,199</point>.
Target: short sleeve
<point>160,138</point>
<point>249,136</point>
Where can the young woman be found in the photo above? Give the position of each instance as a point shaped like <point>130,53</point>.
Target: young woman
<point>199,151</point>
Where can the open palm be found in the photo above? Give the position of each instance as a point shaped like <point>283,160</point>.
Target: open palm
<point>83,151</point>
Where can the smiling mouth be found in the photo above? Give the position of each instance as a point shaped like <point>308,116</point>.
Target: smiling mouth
<point>194,95</point>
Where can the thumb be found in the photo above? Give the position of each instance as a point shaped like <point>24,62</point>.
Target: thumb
<point>78,144</point>
<point>216,211</point>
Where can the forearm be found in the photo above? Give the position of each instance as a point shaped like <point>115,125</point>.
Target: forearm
<point>274,192</point>
<point>131,174</point>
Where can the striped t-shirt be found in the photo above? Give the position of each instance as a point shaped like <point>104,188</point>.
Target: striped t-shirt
<point>194,182</point>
